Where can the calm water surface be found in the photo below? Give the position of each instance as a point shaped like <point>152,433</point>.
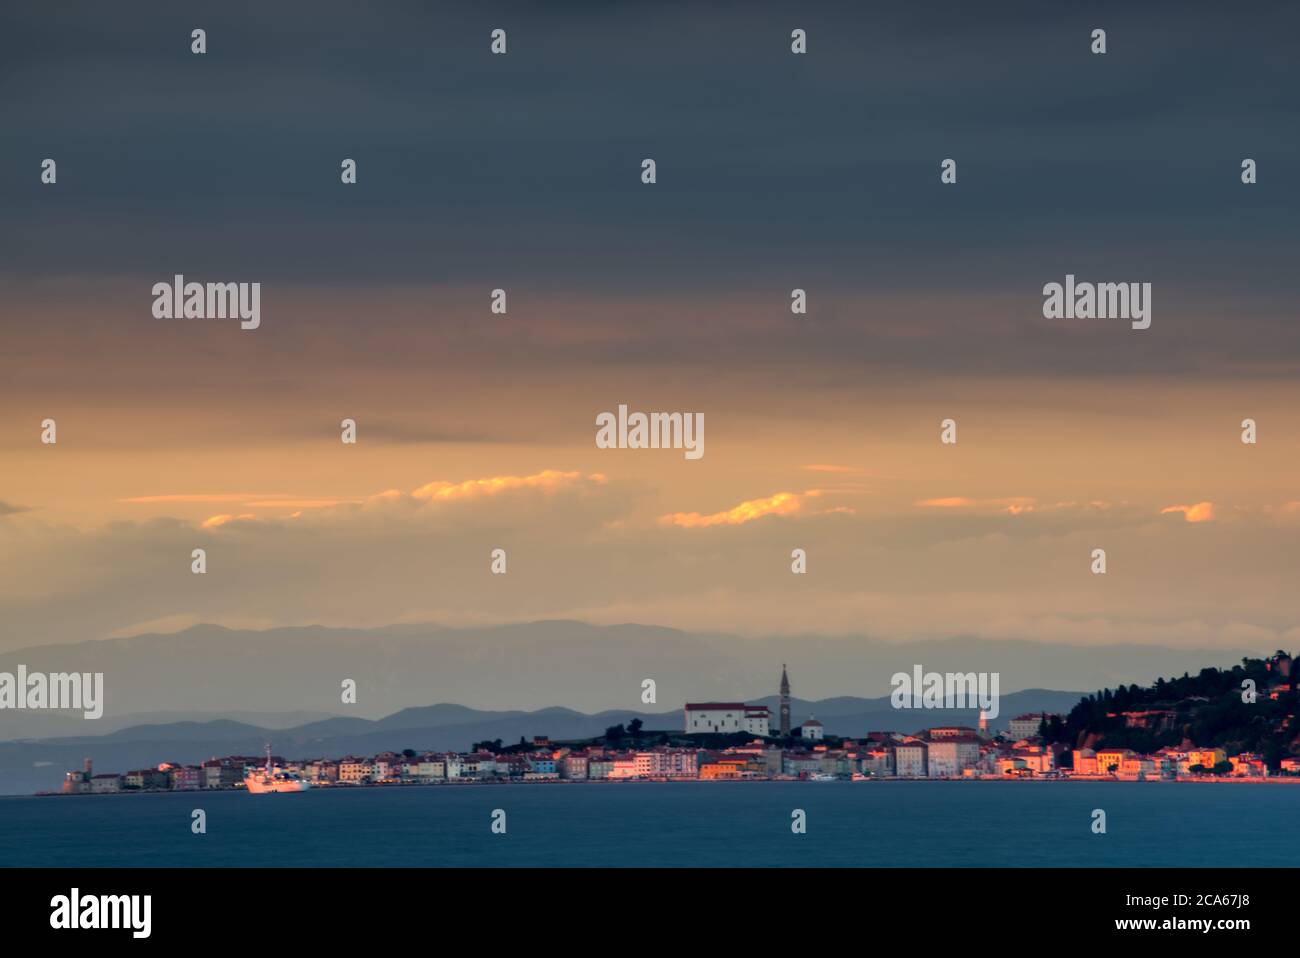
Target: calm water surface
<point>940,824</point>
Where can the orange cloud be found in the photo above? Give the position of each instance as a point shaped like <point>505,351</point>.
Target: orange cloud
<point>441,491</point>
<point>781,504</point>
<point>1012,504</point>
<point>300,503</point>
<point>824,467</point>
<point>216,521</point>
<point>251,500</point>
<point>472,488</point>
<point>1201,512</point>
<point>197,497</point>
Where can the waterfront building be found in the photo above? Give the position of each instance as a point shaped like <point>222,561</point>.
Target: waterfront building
<point>515,766</point>
<point>761,753</point>
<point>431,768</point>
<point>184,778</point>
<point>730,767</point>
<point>387,767</point>
<point>321,771</point>
<point>623,766</point>
<point>910,760</point>
<point>1248,765</point>
<point>834,762</point>
<point>574,766</point>
<point>144,778</point>
<point>354,771</point>
<point>1037,758</point>
<point>1109,760</point>
<point>543,764</point>
<point>1008,765</point>
<point>950,756</point>
<point>1206,757</point>
<point>722,769</point>
<point>77,783</point>
<point>877,761</point>
<point>801,763</point>
<point>481,765</point>
<point>1085,762</point>
<point>1137,768</point>
<point>670,762</point>
<point>101,784</point>
<point>453,764</point>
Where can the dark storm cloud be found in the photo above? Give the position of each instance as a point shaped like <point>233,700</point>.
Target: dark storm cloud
<point>778,170</point>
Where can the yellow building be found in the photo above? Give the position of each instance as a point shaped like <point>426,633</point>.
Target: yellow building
<point>729,768</point>
<point>1085,762</point>
<point>354,771</point>
<point>717,771</point>
<point>1208,757</point>
<point>1107,757</point>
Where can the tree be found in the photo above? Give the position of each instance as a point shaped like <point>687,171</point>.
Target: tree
<point>615,733</point>
<point>634,727</point>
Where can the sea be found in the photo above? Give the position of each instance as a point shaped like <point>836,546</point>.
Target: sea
<point>937,824</point>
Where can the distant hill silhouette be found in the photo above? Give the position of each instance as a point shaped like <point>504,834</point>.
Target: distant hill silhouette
<point>532,665</point>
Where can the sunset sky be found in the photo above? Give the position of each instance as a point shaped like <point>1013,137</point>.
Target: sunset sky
<point>775,171</point>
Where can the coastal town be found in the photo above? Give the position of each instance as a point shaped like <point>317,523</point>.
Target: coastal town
<point>951,752</point>
<point>735,741</point>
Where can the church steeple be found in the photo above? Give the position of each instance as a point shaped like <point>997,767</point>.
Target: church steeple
<point>785,703</point>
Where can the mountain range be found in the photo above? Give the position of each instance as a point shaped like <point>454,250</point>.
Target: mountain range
<point>532,665</point>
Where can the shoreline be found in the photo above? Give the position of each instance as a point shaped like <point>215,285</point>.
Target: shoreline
<point>1224,780</point>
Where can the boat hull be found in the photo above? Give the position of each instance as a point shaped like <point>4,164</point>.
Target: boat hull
<point>259,787</point>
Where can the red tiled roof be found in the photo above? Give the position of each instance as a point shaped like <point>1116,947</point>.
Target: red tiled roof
<point>701,706</point>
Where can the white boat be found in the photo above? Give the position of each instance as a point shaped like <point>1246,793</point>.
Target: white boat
<point>822,777</point>
<point>272,778</point>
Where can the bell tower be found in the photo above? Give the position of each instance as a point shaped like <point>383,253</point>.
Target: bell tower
<point>785,703</point>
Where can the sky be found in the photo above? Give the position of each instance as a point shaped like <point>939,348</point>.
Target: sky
<point>774,171</point>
